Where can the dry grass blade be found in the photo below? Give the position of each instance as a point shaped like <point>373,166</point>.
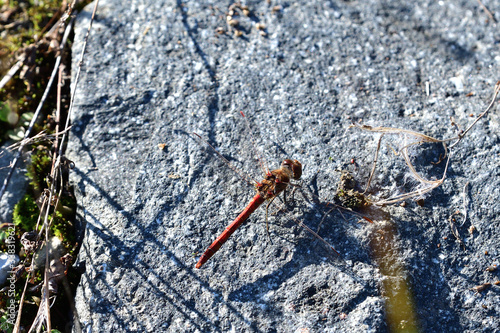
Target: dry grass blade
<point>77,77</point>
<point>461,135</point>
<point>42,136</point>
<point>391,130</point>
<point>465,199</point>
<point>12,71</point>
<point>409,139</point>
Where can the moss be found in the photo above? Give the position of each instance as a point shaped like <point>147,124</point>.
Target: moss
<point>40,166</point>
<point>347,194</point>
<point>25,214</point>
<point>62,226</point>
<point>351,198</point>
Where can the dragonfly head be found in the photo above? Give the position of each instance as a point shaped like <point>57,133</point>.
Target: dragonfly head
<point>294,167</point>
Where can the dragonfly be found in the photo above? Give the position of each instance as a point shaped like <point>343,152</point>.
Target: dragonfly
<point>274,183</point>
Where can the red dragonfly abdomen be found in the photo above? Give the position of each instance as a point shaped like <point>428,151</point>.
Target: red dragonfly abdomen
<point>249,209</point>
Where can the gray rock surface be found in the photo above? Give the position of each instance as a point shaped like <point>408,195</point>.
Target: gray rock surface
<point>156,71</point>
<point>17,184</point>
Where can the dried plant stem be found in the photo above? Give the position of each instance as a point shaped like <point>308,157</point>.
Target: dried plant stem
<point>80,62</point>
<point>465,202</point>
<point>417,138</point>
<point>19,311</point>
<point>421,138</point>
<point>12,71</point>
<point>42,136</point>
<point>490,15</point>
<point>414,171</point>
<point>392,130</point>
<point>375,159</point>
<point>461,135</point>
<point>38,109</point>
<point>419,192</point>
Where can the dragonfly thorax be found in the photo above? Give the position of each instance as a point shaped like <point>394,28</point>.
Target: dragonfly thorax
<point>293,167</point>
<point>277,180</point>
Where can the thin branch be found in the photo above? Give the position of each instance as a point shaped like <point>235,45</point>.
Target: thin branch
<point>490,15</point>
<point>495,94</point>
<point>42,136</point>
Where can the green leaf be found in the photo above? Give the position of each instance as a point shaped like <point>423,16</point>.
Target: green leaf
<point>4,112</point>
<point>17,134</point>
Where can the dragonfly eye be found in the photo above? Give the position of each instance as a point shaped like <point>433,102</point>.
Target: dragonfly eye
<point>294,166</point>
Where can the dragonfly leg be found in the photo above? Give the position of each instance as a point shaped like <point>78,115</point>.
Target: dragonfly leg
<point>267,223</point>
<point>295,187</point>
<point>323,218</point>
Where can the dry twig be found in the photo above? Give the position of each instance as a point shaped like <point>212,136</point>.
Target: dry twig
<point>486,10</point>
